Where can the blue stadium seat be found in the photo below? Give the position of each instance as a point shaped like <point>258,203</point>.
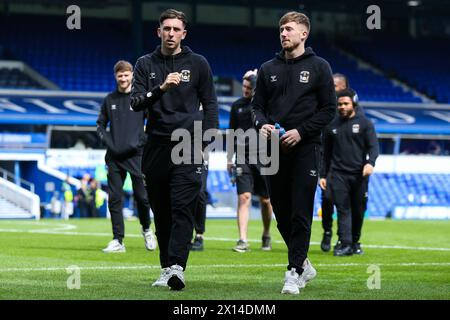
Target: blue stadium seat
<point>88,54</point>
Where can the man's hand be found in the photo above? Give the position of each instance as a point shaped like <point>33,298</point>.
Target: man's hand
<point>323,183</point>
<point>290,138</point>
<point>173,79</point>
<point>266,130</point>
<point>367,170</point>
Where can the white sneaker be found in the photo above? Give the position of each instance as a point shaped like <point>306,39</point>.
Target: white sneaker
<point>292,282</point>
<point>114,246</point>
<point>150,239</point>
<point>309,272</point>
<point>176,277</point>
<point>162,280</point>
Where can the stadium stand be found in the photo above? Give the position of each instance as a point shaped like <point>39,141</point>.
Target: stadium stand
<point>81,61</point>
<point>404,190</point>
<point>78,61</point>
<point>256,46</point>
<point>423,68</point>
<point>15,78</point>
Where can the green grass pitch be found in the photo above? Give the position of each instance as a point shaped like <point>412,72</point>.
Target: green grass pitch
<point>413,258</point>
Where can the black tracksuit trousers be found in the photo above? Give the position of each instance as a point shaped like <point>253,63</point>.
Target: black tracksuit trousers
<point>327,209</point>
<point>117,172</point>
<point>349,195</point>
<point>173,191</point>
<point>200,212</point>
<point>292,191</point>
<point>328,205</point>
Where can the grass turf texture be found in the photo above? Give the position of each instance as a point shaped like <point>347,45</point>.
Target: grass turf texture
<point>33,264</point>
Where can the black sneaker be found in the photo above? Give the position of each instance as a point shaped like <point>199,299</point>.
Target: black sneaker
<point>343,250</point>
<point>325,245</point>
<point>357,248</point>
<point>266,243</point>
<point>338,245</point>
<point>197,245</point>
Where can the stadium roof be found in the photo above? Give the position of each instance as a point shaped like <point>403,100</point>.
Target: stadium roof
<point>391,8</point>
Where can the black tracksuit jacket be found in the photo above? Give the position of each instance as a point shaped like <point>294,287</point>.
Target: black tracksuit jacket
<point>240,118</point>
<point>349,144</point>
<point>297,93</point>
<point>126,135</point>
<point>240,115</point>
<point>179,107</point>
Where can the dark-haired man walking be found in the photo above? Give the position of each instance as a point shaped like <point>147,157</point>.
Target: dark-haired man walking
<point>350,152</point>
<point>173,84</point>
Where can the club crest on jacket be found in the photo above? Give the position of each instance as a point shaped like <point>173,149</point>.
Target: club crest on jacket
<point>185,75</point>
<point>304,77</point>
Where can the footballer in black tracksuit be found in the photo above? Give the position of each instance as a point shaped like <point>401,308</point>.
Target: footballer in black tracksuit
<point>298,94</point>
<point>125,142</point>
<point>349,144</point>
<point>327,199</point>
<point>173,189</point>
<point>248,175</point>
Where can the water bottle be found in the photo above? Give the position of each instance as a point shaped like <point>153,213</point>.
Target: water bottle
<point>282,131</point>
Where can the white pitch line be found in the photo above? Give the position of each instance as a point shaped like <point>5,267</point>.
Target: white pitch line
<point>324,265</point>
<point>364,245</point>
<point>99,234</point>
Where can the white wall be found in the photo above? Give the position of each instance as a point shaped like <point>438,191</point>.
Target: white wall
<point>413,164</point>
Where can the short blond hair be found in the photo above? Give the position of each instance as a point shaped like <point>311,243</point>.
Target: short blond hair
<point>122,66</point>
<point>294,16</point>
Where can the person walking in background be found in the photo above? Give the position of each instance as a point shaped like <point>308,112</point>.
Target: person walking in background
<point>248,176</point>
<point>327,208</point>
<point>124,142</point>
<point>200,212</point>
<point>350,152</point>
<point>340,83</point>
<point>295,90</point>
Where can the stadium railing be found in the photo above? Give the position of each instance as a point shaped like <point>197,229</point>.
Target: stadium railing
<point>21,197</point>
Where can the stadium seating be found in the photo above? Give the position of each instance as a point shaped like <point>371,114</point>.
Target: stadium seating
<point>79,60</point>
<point>82,59</point>
<point>433,75</point>
<point>15,78</point>
<point>248,48</point>
<point>404,189</point>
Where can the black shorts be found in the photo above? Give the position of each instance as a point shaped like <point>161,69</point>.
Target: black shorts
<point>249,179</point>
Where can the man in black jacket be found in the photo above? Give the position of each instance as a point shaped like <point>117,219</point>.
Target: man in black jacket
<point>295,90</point>
<point>340,83</point>
<point>249,179</point>
<point>171,83</point>
<point>124,142</point>
<point>350,152</point>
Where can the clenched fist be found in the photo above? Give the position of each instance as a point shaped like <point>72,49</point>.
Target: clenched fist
<point>173,79</point>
